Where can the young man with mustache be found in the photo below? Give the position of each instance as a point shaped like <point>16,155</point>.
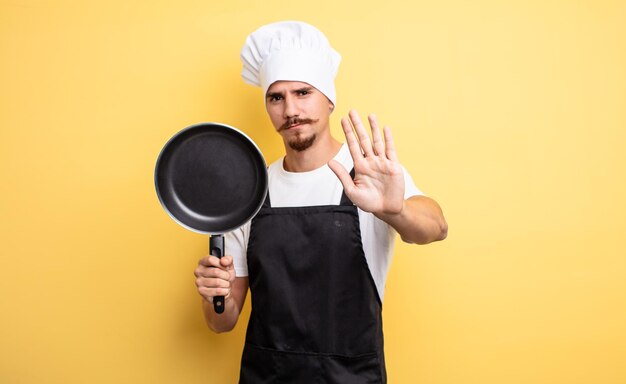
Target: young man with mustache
<point>316,256</point>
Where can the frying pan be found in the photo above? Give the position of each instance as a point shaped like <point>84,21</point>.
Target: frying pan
<point>211,178</point>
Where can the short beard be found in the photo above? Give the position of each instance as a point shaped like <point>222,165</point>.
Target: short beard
<point>301,144</point>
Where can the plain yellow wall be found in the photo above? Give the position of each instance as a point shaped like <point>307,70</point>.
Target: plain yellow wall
<point>512,114</point>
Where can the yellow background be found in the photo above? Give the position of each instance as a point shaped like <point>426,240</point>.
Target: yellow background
<point>511,114</point>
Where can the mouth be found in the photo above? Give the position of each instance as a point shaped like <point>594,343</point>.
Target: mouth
<point>294,126</point>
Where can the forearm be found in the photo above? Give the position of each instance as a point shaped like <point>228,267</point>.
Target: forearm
<point>420,221</point>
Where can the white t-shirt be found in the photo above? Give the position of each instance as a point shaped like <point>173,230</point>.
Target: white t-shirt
<point>322,187</point>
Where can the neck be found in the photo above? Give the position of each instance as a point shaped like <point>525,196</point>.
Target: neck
<point>319,154</point>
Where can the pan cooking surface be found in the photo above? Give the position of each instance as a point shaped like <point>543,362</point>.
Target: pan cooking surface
<point>211,179</point>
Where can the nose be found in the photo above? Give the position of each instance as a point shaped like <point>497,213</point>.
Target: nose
<point>291,107</point>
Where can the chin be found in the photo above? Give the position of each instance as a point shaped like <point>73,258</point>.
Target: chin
<point>300,144</point>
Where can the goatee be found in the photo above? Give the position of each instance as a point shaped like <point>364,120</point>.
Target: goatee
<point>301,144</point>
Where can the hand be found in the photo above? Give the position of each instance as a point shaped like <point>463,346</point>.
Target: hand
<point>378,185</point>
<point>215,277</point>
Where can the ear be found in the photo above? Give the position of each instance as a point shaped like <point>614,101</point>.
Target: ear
<point>331,106</point>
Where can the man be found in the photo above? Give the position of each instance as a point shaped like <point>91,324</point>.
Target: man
<point>316,256</point>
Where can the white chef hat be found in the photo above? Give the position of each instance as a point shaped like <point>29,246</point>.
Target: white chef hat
<point>291,51</point>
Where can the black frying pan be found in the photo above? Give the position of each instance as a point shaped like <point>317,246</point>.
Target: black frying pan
<point>211,178</point>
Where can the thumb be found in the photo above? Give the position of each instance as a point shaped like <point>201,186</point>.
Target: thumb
<point>226,261</point>
<point>342,174</point>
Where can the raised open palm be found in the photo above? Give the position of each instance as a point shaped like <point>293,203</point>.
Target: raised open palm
<point>378,185</point>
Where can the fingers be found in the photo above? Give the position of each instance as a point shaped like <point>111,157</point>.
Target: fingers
<point>214,261</point>
<point>214,276</point>
<point>377,141</point>
<point>211,266</point>
<point>209,287</point>
<point>390,148</point>
<point>353,144</point>
<point>209,293</point>
<point>364,139</point>
<point>378,145</point>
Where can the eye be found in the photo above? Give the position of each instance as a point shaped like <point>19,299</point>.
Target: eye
<point>274,98</point>
<point>303,92</point>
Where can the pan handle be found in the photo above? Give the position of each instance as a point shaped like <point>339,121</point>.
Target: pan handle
<point>216,248</point>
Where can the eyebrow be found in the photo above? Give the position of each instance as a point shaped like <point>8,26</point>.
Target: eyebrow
<point>303,89</point>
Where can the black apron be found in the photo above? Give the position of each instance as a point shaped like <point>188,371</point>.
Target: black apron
<point>316,314</point>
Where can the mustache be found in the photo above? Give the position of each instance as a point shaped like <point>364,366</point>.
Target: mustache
<point>294,121</point>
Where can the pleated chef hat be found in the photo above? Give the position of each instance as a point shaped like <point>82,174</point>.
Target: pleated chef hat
<point>291,51</point>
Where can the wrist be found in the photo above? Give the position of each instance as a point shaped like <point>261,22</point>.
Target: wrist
<point>393,216</point>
